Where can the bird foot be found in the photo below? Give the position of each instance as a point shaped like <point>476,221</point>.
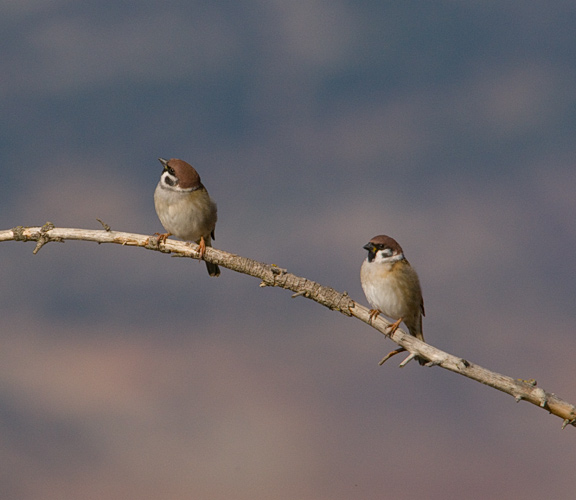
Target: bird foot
<point>153,242</point>
<point>162,237</point>
<point>393,327</point>
<point>373,315</point>
<point>202,245</point>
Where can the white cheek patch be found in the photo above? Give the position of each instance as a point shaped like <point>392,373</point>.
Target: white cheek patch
<point>380,257</point>
<point>169,180</point>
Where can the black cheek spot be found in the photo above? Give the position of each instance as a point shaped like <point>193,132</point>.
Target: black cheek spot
<point>169,181</point>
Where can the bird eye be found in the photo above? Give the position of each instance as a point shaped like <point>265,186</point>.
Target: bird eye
<point>170,170</point>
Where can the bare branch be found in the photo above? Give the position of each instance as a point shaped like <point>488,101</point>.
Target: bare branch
<point>272,275</point>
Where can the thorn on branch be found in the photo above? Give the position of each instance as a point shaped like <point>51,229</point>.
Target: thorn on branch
<point>43,238</point>
<point>104,225</point>
<point>407,360</point>
<point>300,293</point>
<point>567,421</point>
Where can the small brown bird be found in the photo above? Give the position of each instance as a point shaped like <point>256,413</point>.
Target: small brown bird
<point>392,287</point>
<point>184,207</point>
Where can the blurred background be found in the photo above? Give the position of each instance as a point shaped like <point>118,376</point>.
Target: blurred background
<point>315,125</point>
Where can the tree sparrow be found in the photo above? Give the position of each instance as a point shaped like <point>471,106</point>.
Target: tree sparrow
<point>392,287</point>
<point>184,207</point>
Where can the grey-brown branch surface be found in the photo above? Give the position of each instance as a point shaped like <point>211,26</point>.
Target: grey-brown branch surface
<point>272,275</point>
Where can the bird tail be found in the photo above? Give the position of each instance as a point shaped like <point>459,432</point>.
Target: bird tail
<point>416,331</point>
<point>213,269</point>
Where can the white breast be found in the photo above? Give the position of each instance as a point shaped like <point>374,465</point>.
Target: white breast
<point>382,290</point>
<point>188,216</point>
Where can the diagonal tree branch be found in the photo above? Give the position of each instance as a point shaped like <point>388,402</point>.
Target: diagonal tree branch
<point>272,275</point>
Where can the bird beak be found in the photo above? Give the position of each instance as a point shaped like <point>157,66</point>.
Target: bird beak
<point>371,251</point>
<point>164,162</point>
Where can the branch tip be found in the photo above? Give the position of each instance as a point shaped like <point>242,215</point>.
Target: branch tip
<point>39,245</point>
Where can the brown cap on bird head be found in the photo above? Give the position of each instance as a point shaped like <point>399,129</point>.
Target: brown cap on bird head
<point>186,174</point>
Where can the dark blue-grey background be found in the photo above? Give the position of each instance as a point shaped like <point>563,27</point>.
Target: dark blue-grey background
<point>315,125</point>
